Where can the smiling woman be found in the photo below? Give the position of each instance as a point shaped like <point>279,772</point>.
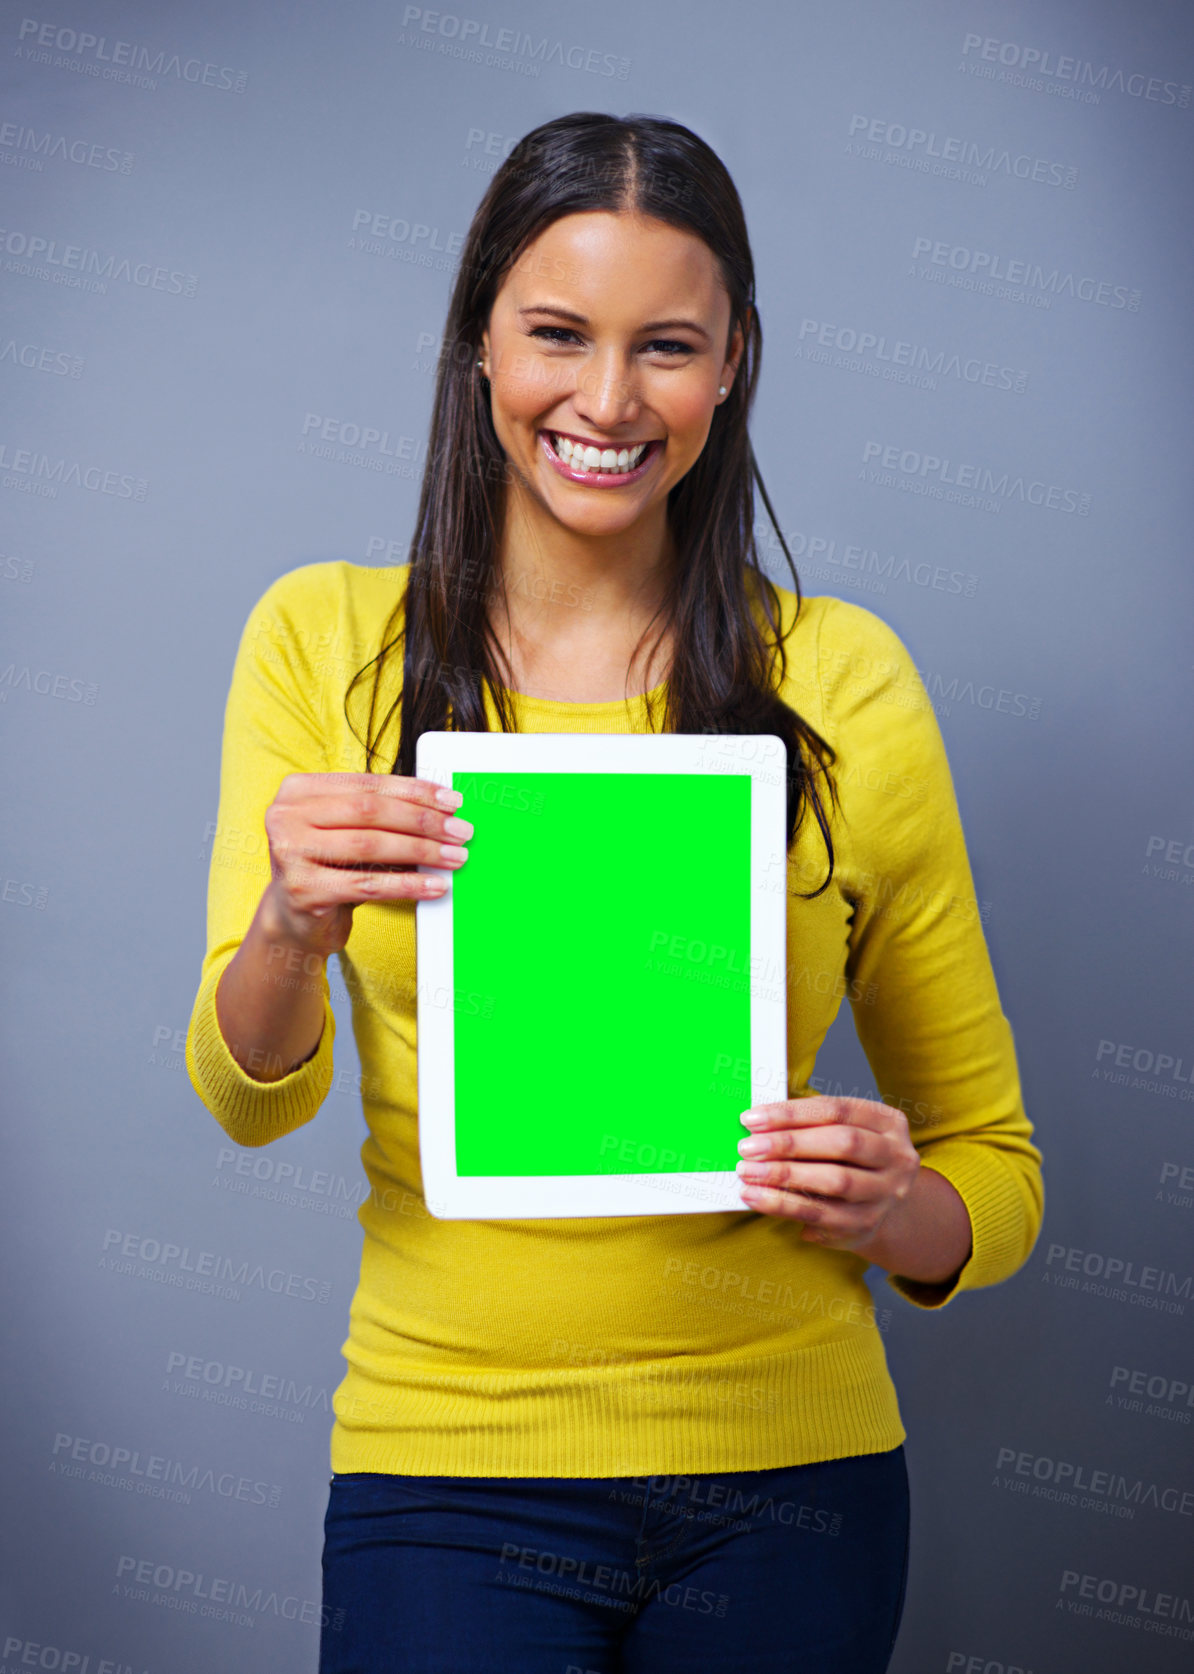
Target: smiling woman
<point>607,284</point>
<point>648,1442</point>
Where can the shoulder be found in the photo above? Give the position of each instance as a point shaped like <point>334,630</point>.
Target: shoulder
<point>330,611</point>
<point>831,623</point>
<point>859,651</point>
<point>333,588</point>
<point>839,654</point>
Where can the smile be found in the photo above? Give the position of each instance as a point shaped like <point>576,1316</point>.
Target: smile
<point>599,467</point>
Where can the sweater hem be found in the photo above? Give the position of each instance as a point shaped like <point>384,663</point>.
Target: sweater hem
<point>711,1414</point>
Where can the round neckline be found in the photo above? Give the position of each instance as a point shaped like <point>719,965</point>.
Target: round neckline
<point>597,707</point>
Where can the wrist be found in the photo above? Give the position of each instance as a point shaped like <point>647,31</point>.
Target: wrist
<point>277,928</point>
<point>891,1236</point>
<point>925,1236</point>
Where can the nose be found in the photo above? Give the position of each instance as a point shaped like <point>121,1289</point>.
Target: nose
<point>606,392</point>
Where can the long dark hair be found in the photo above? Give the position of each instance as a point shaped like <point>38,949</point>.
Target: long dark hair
<point>722,676</point>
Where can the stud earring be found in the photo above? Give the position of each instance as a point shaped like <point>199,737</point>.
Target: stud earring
<point>721,388</point>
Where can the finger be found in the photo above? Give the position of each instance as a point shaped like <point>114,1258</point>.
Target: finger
<point>362,811</point>
<point>392,786</point>
<point>820,1108</point>
<point>364,851</point>
<point>295,842</point>
<point>860,1147</point>
<point>315,889</point>
<point>815,1180</point>
<point>363,804</point>
<point>768,1200</point>
<point>822,1223</point>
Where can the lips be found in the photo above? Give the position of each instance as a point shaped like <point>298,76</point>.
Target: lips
<point>597,478</point>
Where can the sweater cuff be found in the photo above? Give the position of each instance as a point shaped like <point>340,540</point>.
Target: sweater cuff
<point>253,1112</point>
<point>994,1199</point>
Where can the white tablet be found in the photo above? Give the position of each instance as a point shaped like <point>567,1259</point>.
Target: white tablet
<point>601,991</point>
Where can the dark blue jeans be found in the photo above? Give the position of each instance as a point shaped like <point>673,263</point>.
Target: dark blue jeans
<point>802,1568</point>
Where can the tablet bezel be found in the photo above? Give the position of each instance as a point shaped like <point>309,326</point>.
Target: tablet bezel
<point>439,755</point>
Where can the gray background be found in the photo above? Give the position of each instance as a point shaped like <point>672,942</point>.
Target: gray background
<point>124,600</point>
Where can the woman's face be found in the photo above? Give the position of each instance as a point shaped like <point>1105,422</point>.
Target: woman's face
<point>609,333</point>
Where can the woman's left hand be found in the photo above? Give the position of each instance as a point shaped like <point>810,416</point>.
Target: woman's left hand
<point>842,1165</point>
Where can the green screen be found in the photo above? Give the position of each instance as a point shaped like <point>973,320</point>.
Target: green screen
<point>601,944</point>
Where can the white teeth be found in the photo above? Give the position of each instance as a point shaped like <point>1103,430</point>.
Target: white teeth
<point>583,458</point>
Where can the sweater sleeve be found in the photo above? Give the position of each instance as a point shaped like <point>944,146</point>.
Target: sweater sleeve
<point>273,725</point>
<point>936,1037</point>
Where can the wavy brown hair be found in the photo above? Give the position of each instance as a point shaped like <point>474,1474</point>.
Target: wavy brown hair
<point>722,677</point>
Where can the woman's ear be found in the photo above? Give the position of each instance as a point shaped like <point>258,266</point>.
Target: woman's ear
<point>737,345</point>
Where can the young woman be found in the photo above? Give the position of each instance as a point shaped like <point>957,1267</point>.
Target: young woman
<point>642,1443</point>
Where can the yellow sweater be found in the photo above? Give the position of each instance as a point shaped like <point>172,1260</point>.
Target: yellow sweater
<point>628,1345</point>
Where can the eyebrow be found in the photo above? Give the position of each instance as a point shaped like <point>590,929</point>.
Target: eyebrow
<point>581,319</point>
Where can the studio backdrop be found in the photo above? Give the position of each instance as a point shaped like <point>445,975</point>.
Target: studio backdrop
<point>228,239</point>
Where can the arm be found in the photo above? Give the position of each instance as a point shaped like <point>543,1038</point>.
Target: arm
<point>259,1043</point>
<point>847,1168</point>
<point>271,1027</point>
<point>927,1236</point>
<point>937,1039</point>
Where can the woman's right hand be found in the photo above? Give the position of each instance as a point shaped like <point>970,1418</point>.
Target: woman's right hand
<point>339,839</point>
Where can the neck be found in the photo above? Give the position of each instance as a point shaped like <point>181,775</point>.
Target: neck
<point>575,614</point>
<point>549,572</point>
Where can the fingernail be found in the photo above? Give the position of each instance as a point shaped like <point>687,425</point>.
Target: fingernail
<point>448,798</point>
<point>750,1117</point>
<point>753,1147</point>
